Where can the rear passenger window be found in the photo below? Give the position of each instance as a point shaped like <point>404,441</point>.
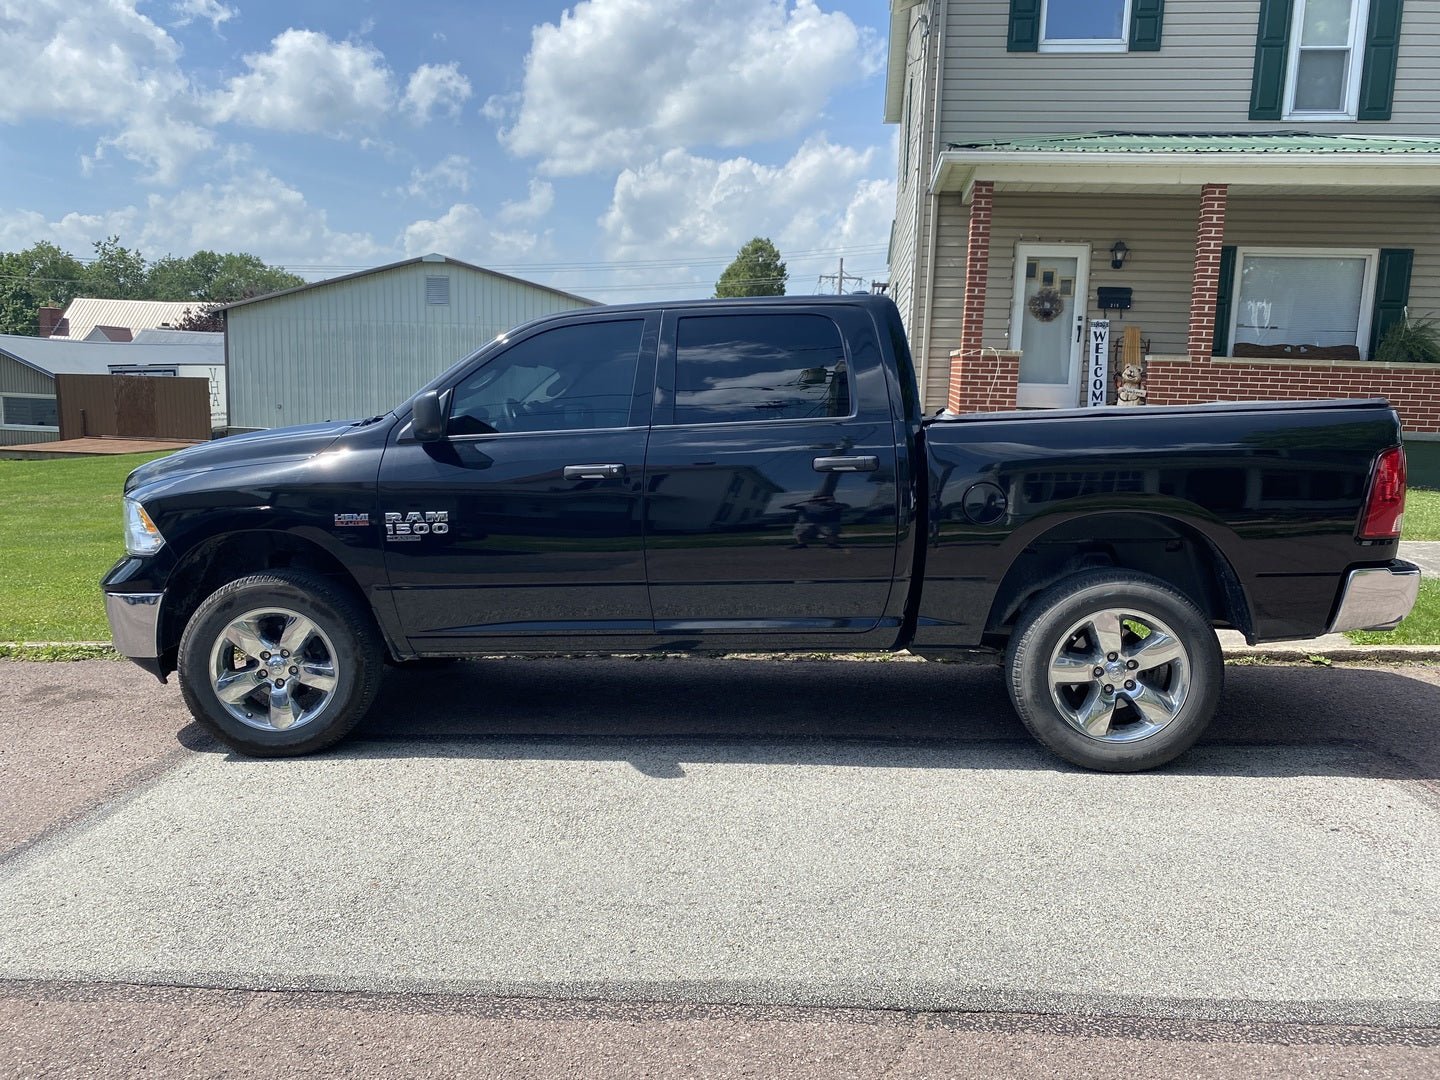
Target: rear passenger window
<point>566,379</point>
<point>759,367</point>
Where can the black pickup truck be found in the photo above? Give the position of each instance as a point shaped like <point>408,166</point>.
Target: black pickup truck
<point>756,475</point>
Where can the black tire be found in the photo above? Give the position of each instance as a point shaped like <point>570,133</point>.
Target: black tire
<point>343,631</point>
<point>1065,624</point>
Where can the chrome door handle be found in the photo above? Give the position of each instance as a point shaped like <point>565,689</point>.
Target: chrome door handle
<point>594,472</point>
<point>846,464</point>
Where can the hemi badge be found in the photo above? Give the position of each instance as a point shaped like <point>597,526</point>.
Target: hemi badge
<point>351,520</point>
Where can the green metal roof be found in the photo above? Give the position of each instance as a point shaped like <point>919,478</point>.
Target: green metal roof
<point>1267,142</point>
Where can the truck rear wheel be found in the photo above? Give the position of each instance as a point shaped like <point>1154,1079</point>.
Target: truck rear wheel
<point>1115,670</point>
<point>280,663</point>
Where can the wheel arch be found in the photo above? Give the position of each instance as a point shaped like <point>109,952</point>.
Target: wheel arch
<point>1163,546</point>
<point>228,556</point>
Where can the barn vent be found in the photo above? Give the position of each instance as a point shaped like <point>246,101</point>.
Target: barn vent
<point>437,289</point>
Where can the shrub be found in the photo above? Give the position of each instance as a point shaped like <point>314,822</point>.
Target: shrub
<point>1410,341</point>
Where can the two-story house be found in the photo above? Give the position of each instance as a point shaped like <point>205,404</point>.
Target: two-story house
<point>1254,184</point>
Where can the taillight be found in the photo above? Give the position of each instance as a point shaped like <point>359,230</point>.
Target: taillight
<point>1385,505</point>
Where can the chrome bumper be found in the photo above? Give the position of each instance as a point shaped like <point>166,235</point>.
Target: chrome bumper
<point>1377,598</point>
<point>135,623</point>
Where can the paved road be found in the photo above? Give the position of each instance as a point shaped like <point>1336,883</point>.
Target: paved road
<point>617,841</point>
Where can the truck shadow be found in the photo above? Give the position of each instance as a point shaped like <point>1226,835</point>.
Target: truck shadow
<point>657,714</point>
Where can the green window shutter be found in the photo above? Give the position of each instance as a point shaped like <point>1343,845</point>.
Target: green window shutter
<point>1392,292</point>
<point>1145,19</point>
<point>1223,295</point>
<point>1382,50</point>
<point>1024,33</point>
<point>1272,49</point>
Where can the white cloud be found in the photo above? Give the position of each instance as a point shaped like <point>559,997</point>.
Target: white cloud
<point>682,205</point>
<point>451,173</point>
<point>210,10</point>
<point>310,83</point>
<point>622,80</point>
<point>104,66</point>
<point>534,206</point>
<point>435,87</point>
<point>463,232</point>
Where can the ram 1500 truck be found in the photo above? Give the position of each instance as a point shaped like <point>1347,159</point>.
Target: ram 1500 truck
<point>756,475</point>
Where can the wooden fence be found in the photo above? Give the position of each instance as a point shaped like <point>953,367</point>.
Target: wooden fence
<point>133,406</point>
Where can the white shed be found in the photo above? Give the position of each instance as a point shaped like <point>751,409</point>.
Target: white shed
<point>358,345</point>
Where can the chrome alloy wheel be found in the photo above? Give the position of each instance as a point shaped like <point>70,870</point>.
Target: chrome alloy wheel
<point>273,669</point>
<point>1119,675</point>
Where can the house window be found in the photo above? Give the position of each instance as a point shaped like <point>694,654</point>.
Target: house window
<point>29,411</point>
<point>1303,298</point>
<point>1325,67</point>
<point>1084,25</point>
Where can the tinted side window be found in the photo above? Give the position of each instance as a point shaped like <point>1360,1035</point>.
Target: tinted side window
<point>759,367</point>
<point>564,379</point>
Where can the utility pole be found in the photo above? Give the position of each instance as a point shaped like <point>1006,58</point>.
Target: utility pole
<point>839,277</point>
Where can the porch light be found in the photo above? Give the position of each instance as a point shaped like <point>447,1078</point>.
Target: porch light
<point>1118,251</point>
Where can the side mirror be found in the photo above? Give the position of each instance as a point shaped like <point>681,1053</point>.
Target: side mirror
<point>427,419</point>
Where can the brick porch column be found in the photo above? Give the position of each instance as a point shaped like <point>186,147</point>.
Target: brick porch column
<point>977,269</point>
<point>1205,290</point>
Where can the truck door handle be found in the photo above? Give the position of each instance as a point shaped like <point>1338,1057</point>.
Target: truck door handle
<point>594,472</point>
<point>846,464</point>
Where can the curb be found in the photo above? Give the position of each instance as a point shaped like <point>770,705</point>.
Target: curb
<point>1373,654</point>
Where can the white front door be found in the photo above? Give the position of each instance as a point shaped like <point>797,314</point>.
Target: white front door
<point>1051,287</point>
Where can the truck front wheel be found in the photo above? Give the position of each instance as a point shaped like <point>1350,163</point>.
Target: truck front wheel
<point>280,663</point>
<point>1115,670</point>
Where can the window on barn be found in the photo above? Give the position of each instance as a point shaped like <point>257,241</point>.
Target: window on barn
<point>29,411</point>
<point>1296,300</point>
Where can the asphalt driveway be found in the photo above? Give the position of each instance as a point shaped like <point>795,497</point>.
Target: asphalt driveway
<point>736,834</point>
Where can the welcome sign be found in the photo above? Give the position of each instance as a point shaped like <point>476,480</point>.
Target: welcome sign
<point>1099,362</point>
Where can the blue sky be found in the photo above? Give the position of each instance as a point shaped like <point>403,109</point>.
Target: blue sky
<point>621,149</point>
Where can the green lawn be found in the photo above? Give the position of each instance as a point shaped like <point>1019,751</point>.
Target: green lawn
<point>1422,514</point>
<point>1421,626</point>
<point>61,525</point>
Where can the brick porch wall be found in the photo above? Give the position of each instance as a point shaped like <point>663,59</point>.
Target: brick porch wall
<point>986,380</point>
<point>1414,389</point>
<point>968,361</point>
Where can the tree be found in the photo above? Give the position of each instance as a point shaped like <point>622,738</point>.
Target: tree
<point>756,271</point>
<point>221,279</point>
<point>118,272</point>
<point>206,317</point>
<point>40,276</point>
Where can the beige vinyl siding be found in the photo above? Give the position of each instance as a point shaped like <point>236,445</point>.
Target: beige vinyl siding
<point>16,378</point>
<point>1160,232</point>
<point>362,346</point>
<point>1198,81</point>
<point>907,245</point>
<point>1158,229</point>
<point>949,285</point>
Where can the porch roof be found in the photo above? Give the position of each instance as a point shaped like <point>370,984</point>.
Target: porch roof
<point>1268,163</point>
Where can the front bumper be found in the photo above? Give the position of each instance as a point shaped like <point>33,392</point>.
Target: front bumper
<point>1376,598</point>
<point>135,623</point>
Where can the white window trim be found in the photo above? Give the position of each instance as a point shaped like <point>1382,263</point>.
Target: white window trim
<point>26,427</point>
<point>1367,284</point>
<point>1359,22</point>
<point>1085,45</point>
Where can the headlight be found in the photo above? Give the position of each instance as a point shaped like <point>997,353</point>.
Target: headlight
<point>141,535</point>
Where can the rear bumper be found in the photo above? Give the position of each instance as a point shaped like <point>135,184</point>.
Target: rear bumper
<point>1376,598</point>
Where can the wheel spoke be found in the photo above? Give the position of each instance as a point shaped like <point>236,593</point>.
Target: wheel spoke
<point>317,676</point>
<point>246,635</point>
<point>297,633</point>
<point>235,686</point>
<point>1106,625</point>
<point>1157,650</point>
<point>1158,707</point>
<point>285,711</point>
<point>1067,670</point>
<point>1095,717</point>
